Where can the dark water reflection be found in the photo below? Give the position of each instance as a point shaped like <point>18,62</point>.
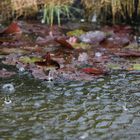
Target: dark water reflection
<point>106,108</point>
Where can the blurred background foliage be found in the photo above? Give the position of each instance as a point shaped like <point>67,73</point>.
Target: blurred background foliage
<point>105,10</point>
<point>116,10</point>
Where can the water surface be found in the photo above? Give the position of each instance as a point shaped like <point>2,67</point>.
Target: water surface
<point>105,108</point>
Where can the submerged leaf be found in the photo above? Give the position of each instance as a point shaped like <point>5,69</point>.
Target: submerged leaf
<point>5,74</point>
<point>128,53</point>
<point>81,45</point>
<point>93,37</point>
<point>114,66</point>
<point>76,32</point>
<point>29,60</point>
<point>136,67</point>
<point>47,63</point>
<point>94,71</point>
<point>64,43</point>
<point>5,51</point>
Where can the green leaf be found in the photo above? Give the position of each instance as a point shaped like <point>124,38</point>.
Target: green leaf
<point>136,66</point>
<point>81,45</point>
<point>114,66</point>
<point>76,32</point>
<point>29,60</point>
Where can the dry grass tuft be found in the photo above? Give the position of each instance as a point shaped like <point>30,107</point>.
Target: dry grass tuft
<point>116,8</point>
<point>16,8</point>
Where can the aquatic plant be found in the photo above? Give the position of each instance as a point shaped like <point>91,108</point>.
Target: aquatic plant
<point>54,10</point>
<point>17,8</point>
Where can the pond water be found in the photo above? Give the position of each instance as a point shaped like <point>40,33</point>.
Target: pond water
<point>105,108</point>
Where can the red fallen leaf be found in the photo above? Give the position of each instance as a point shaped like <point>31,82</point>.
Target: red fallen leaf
<point>129,53</point>
<point>94,71</point>
<point>64,43</point>
<point>13,28</point>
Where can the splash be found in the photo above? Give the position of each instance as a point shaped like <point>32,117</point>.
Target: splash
<point>51,75</point>
<point>7,90</point>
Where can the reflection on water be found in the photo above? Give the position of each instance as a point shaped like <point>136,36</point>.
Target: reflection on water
<point>105,108</point>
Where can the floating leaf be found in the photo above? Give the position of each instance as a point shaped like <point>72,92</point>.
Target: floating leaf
<point>114,66</point>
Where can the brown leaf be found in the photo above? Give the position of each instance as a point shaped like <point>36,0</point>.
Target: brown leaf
<point>13,28</point>
<point>128,53</point>
<point>48,63</point>
<point>64,43</point>
<point>94,71</point>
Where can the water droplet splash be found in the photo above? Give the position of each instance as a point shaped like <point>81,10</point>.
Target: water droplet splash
<point>7,100</point>
<point>21,70</point>
<point>51,75</point>
<point>98,54</point>
<point>98,98</point>
<point>8,89</point>
<point>124,107</point>
<point>84,136</point>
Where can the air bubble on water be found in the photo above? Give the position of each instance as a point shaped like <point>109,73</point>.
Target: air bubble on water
<point>8,88</point>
